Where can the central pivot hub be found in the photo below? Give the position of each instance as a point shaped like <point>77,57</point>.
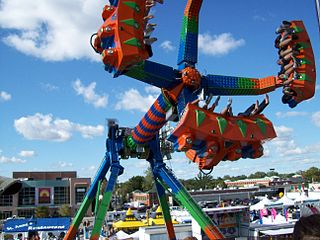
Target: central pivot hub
<point>191,77</point>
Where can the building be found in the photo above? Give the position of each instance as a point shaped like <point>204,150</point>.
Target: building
<point>9,186</point>
<point>149,198</point>
<point>249,182</point>
<point>274,181</point>
<point>51,189</point>
<point>216,196</point>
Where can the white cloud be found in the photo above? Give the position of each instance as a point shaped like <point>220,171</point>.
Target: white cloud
<point>259,18</point>
<point>316,118</point>
<point>49,87</point>
<point>283,131</point>
<point>315,148</point>
<point>152,90</point>
<point>218,45</point>
<point>167,45</point>
<point>92,168</point>
<point>51,30</point>
<point>62,164</point>
<point>88,171</point>
<point>89,131</point>
<point>89,95</point>
<point>45,127</point>
<point>26,153</point>
<point>285,145</point>
<point>4,159</point>
<point>290,114</point>
<point>266,151</point>
<point>134,100</point>
<point>4,96</point>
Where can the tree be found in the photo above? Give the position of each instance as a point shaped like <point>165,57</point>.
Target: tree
<point>189,184</point>
<point>312,174</point>
<point>126,188</point>
<point>148,182</point>
<point>272,173</point>
<point>258,175</point>
<point>203,181</point>
<point>42,212</point>
<point>226,177</point>
<point>219,182</point>
<point>64,210</point>
<point>241,177</point>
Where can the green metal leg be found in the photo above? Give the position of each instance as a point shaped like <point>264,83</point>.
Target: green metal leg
<point>166,177</point>
<point>71,234</point>
<point>101,214</point>
<point>165,210</point>
<point>96,207</point>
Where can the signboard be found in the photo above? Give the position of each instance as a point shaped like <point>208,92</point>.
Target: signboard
<point>36,224</point>
<point>44,195</point>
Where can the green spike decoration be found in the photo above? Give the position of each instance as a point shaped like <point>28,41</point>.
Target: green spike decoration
<point>262,126</point>
<point>303,45</point>
<point>243,127</point>
<point>200,116</point>
<point>131,22</point>
<point>132,5</point>
<point>304,77</point>
<point>133,42</point>
<point>304,61</point>
<point>222,124</point>
<point>298,29</point>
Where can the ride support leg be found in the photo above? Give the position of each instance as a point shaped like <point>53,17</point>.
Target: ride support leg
<point>116,170</point>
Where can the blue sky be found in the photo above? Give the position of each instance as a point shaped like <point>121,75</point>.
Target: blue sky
<point>55,96</point>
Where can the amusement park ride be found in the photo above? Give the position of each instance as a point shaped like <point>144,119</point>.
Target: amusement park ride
<point>207,137</point>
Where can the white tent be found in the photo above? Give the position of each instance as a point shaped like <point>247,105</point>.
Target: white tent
<point>301,198</point>
<point>260,205</point>
<point>285,201</point>
<point>270,221</point>
<point>122,235</point>
<point>277,232</point>
<point>135,235</point>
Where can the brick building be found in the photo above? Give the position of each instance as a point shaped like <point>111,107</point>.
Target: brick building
<point>249,182</point>
<point>51,189</point>
<point>149,198</point>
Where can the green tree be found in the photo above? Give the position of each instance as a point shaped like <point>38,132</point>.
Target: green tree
<point>219,182</point>
<point>189,184</point>
<point>241,177</point>
<point>148,182</point>
<point>125,189</point>
<point>312,174</point>
<point>64,210</point>
<point>257,175</point>
<point>272,173</point>
<point>203,181</point>
<point>286,175</point>
<point>42,212</point>
<point>226,177</point>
